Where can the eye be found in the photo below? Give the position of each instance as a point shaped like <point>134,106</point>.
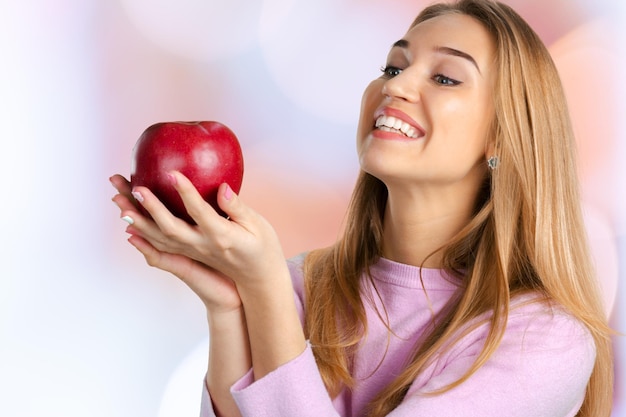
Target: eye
<point>445,81</point>
<point>390,71</point>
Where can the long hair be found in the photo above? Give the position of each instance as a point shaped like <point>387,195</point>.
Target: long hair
<point>526,234</point>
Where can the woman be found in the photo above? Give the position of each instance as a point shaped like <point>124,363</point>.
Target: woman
<point>461,285</point>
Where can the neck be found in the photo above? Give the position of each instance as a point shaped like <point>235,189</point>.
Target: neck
<point>419,223</point>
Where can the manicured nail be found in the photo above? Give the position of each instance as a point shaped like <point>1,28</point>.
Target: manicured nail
<point>128,219</point>
<point>171,178</point>
<point>228,192</point>
<point>137,196</point>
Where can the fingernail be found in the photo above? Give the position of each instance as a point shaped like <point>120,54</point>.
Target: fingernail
<point>171,178</point>
<point>128,219</point>
<point>228,192</point>
<point>137,196</point>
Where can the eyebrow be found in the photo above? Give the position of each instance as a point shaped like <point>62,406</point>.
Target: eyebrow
<point>404,44</point>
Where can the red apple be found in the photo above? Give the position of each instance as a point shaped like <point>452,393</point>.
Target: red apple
<point>208,153</point>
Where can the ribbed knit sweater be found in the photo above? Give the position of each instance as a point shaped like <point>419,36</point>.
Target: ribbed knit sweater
<point>540,369</point>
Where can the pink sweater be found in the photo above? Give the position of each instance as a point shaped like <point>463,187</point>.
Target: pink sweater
<point>541,368</point>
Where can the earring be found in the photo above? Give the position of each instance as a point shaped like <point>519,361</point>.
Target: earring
<point>493,162</point>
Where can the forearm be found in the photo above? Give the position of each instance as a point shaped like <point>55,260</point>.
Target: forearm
<point>229,359</point>
<point>274,328</point>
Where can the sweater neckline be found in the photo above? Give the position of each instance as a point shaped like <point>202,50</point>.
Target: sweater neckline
<point>410,276</point>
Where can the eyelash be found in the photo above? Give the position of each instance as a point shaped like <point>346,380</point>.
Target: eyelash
<point>449,82</point>
<point>391,71</point>
<point>387,69</point>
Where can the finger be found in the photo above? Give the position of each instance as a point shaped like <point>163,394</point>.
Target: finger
<point>211,286</point>
<point>138,222</point>
<point>181,266</point>
<point>146,229</point>
<point>199,210</point>
<point>124,203</point>
<point>230,203</point>
<point>189,271</point>
<point>124,200</point>
<point>121,184</point>
<point>161,215</point>
<point>174,264</point>
<point>139,225</point>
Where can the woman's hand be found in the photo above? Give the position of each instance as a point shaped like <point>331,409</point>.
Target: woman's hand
<point>243,247</point>
<point>217,291</point>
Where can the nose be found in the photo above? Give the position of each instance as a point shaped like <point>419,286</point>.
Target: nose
<point>403,86</point>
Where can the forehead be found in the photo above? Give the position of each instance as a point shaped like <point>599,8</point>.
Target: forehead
<point>456,31</point>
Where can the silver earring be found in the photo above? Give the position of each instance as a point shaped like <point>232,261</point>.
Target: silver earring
<point>493,162</point>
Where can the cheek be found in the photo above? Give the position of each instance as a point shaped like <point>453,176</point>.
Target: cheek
<point>466,123</point>
<point>372,97</point>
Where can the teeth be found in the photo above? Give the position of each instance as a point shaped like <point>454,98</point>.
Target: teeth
<point>391,124</point>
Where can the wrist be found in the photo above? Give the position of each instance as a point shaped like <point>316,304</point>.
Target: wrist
<point>225,319</point>
<point>274,326</point>
<point>272,286</point>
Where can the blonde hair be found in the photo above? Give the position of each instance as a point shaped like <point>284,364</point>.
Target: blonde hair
<point>526,234</point>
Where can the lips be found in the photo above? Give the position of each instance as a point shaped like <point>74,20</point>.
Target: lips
<point>394,121</point>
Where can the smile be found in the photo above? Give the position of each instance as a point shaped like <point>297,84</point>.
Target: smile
<point>394,125</point>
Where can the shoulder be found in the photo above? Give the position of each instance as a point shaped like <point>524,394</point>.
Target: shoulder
<point>538,324</point>
<point>552,351</point>
<point>541,366</point>
<point>544,348</point>
<point>556,340</point>
<point>534,327</point>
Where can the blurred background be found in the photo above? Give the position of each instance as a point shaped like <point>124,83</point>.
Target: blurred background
<point>86,328</point>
